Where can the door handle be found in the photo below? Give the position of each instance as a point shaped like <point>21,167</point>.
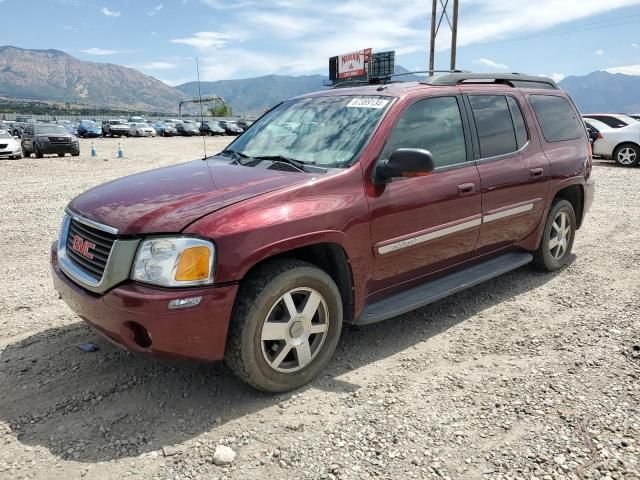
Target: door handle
<point>536,172</point>
<point>466,188</point>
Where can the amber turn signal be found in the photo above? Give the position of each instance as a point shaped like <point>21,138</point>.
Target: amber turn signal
<point>193,264</point>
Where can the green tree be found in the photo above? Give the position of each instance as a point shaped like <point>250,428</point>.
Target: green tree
<point>222,110</point>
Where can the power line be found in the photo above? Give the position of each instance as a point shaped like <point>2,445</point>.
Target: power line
<point>559,33</point>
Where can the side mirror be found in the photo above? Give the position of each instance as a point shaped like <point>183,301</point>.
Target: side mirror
<point>405,163</point>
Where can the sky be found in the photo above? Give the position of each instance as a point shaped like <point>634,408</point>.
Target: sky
<point>247,38</point>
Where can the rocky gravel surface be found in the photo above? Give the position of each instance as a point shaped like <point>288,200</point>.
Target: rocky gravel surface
<point>529,376</point>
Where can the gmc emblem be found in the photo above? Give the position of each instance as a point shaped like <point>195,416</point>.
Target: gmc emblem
<point>83,246</point>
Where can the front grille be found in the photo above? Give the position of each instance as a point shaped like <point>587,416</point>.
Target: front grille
<point>3,146</point>
<point>103,242</point>
<point>59,139</point>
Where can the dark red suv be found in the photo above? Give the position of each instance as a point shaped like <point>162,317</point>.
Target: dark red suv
<point>348,205</point>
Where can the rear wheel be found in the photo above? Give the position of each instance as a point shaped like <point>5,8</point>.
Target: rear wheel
<point>61,154</point>
<point>38,152</point>
<point>557,240</point>
<point>627,155</point>
<point>285,326</point>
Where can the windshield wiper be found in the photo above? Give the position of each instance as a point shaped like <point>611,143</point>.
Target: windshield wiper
<point>239,158</point>
<point>299,164</point>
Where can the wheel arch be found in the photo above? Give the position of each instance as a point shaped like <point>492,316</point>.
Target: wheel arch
<point>330,257</point>
<point>574,194</point>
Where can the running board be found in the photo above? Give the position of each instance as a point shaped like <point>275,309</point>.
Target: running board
<point>443,287</point>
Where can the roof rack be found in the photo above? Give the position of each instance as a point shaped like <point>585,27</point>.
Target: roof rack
<point>516,80</point>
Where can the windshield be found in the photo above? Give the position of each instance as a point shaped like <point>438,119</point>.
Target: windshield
<point>50,130</point>
<point>117,122</point>
<point>5,135</point>
<point>88,123</point>
<point>324,131</point>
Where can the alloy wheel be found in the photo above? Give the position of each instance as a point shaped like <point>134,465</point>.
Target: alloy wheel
<point>560,235</point>
<point>295,329</point>
<point>627,156</point>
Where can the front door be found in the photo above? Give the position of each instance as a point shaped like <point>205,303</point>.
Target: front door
<point>420,225</point>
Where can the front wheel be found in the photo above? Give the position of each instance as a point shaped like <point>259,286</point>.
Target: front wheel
<point>285,326</point>
<point>557,239</point>
<point>627,155</point>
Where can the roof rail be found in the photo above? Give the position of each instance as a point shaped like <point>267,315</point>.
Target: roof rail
<point>516,80</point>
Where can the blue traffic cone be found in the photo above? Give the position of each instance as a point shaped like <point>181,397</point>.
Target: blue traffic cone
<point>94,153</point>
<point>120,151</point>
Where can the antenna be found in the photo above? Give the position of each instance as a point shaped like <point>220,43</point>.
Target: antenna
<point>204,141</point>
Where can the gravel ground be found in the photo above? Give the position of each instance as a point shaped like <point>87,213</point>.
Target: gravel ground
<point>528,376</point>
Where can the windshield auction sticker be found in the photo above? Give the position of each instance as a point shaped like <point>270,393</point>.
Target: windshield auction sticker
<point>367,102</point>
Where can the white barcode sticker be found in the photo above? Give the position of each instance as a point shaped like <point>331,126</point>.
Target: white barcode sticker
<point>367,102</point>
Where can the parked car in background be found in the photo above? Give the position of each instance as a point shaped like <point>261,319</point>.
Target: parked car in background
<point>43,139</point>
<point>89,129</point>
<point>620,144</point>
<point>141,130</point>
<point>635,116</point>
<point>231,128</point>
<point>211,127</point>
<point>137,119</point>
<point>115,128</point>
<point>614,120</point>
<point>594,127</point>
<point>164,129</point>
<point>25,119</point>
<point>9,145</point>
<point>259,254</point>
<point>244,124</point>
<point>187,129</point>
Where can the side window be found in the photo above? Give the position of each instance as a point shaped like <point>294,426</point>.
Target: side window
<point>518,122</point>
<point>493,122</point>
<point>433,124</point>
<point>558,120</point>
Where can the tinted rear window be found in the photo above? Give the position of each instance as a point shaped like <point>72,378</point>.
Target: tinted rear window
<point>522,136</point>
<point>558,120</point>
<point>493,122</point>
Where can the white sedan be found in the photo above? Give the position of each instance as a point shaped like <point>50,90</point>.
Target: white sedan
<point>9,146</point>
<point>621,144</point>
<point>141,130</point>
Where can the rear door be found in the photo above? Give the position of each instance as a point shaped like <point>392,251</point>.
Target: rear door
<point>423,224</point>
<point>514,171</point>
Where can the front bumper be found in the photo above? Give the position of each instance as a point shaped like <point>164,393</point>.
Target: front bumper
<point>48,148</point>
<point>136,317</point>
<point>10,153</point>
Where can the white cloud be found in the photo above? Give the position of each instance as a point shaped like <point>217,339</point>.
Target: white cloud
<point>487,62</point>
<point>204,40</point>
<point>109,13</point>
<point>67,27</point>
<point>627,70</point>
<point>557,77</point>
<point>599,52</point>
<point>159,65</point>
<point>634,45</point>
<point>99,51</point>
<point>152,11</point>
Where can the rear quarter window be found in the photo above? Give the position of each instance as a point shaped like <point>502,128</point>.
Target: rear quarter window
<point>557,118</point>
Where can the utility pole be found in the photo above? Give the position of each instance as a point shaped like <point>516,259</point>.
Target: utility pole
<point>435,28</point>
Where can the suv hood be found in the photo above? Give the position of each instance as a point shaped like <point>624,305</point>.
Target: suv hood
<point>168,199</point>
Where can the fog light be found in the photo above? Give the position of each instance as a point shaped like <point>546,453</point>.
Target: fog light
<point>185,302</point>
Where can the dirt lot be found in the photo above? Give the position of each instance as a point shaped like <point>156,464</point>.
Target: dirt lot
<point>528,376</point>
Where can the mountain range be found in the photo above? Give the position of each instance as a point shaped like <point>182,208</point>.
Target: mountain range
<point>53,75</point>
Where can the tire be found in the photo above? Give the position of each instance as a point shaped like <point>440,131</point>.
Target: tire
<point>38,153</point>
<point>274,364</point>
<point>627,155</point>
<point>61,155</point>
<point>75,154</point>
<point>559,233</point>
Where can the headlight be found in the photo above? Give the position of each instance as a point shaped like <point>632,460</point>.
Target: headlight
<point>174,262</point>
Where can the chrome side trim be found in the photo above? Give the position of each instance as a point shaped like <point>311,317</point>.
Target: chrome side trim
<point>91,223</point>
<point>409,242</point>
<point>508,213</point>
